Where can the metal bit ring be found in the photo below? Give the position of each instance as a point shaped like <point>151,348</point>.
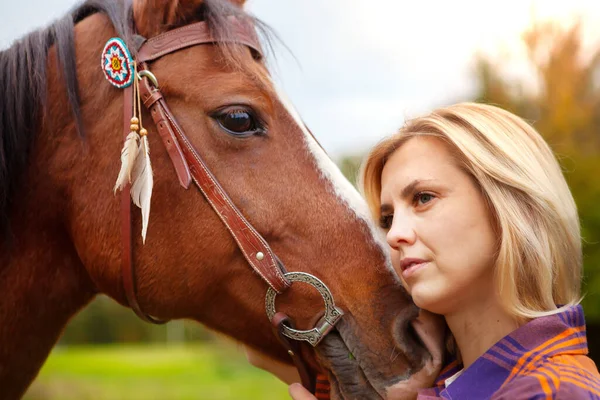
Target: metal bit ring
<point>325,324</point>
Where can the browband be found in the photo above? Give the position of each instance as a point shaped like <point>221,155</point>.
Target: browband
<point>197,33</point>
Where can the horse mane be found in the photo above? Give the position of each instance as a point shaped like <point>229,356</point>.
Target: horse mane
<point>23,84</point>
<point>23,78</point>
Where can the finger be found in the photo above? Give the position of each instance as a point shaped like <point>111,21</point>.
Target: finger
<point>298,392</point>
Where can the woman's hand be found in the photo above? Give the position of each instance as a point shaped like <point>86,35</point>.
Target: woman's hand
<point>298,392</point>
<point>285,372</point>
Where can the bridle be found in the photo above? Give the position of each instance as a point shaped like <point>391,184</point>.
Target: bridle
<point>189,168</point>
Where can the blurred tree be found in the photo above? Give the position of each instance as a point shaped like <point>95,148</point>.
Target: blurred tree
<point>105,321</point>
<point>350,166</point>
<point>564,106</point>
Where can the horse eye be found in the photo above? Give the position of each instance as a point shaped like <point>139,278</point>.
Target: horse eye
<point>239,121</point>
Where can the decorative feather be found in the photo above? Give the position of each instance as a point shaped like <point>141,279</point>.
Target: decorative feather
<point>142,183</point>
<point>128,155</point>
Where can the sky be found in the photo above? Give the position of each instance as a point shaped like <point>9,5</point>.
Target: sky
<point>355,70</point>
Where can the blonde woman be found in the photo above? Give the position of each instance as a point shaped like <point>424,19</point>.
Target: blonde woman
<point>483,230</point>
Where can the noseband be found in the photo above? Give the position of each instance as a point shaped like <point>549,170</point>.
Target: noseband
<point>189,166</point>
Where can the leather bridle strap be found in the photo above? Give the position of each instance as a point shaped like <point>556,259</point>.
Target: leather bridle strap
<point>253,246</point>
<point>318,385</point>
<point>189,166</point>
<point>194,34</point>
<point>293,349</point>
<point>127,270</point>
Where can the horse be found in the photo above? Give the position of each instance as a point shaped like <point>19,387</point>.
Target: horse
<point>63,235</point>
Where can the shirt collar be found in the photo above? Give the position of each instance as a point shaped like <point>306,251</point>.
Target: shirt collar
<point>561,333</point>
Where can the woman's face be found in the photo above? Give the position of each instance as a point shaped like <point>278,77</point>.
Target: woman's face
<point>438,227</point>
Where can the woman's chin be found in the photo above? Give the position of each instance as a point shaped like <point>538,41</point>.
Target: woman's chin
<point>424,297</point>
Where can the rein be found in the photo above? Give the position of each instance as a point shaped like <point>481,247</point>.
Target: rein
<point>190,167</point>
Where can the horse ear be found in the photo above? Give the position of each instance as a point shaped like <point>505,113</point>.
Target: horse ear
<point>155,16</point>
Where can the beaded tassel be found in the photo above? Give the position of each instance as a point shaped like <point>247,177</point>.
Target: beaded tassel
<point>136,167</point>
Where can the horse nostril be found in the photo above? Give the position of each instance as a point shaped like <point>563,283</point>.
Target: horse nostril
<point>407,340</point>
<point>414,336</point>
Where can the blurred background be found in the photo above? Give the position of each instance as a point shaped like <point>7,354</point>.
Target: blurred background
<point>356,70</point>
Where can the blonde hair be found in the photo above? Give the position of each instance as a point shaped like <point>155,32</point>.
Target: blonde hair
<point>538,265</point>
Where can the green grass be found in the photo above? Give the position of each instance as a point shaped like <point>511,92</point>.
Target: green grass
<point>130,372</point>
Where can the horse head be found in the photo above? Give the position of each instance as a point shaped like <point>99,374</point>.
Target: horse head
<point>65,223</point>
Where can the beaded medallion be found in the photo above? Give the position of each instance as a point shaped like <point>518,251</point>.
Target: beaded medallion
<point>117,63</point>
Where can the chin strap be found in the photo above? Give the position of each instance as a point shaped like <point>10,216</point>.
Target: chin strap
<point>318,385</point>
<point>293,348</point>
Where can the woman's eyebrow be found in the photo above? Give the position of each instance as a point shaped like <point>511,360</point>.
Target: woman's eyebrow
<point>406,193</point>
<point>410,188</point>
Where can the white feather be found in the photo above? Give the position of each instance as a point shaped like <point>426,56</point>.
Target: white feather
<point>142,183</point>
<point>128,155</point>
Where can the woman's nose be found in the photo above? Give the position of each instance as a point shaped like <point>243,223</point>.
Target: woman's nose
<point>402,232</point>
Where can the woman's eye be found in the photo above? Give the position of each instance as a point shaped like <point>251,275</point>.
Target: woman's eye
<point>423,198</point>
<point>385,221</point>
<point>239,121</point>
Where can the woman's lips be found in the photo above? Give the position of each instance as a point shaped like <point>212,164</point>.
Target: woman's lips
<point>410,265</point>
<point>408,272</point>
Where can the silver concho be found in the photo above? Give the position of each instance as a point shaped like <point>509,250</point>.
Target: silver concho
<point>325,324</point>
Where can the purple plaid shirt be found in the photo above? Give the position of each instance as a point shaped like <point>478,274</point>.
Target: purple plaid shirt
<point>543,359</point>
